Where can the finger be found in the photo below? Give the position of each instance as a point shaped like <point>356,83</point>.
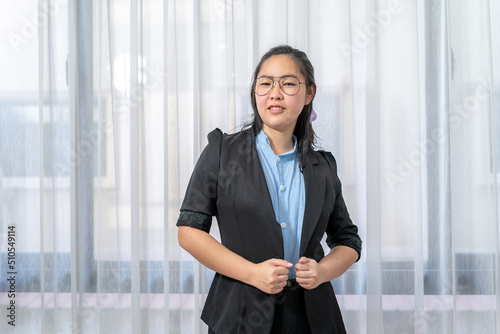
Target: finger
<point>301,267</point>
<point>276,290</point>
<point>307,283</point>
<point>304,266</point>
<point>281,271</point>
<point>277,286</point>
<point>300,280</point>
<point>280,280</point>
<point>303,281</point>
<point>304,260</point>
<point>306,273</point>
<point>302,274</point>
<point>281,263</point>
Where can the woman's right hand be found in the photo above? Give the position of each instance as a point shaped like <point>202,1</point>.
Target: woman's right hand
<point>270,276</point>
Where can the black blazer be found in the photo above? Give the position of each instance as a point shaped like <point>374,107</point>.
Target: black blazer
<point>228,182</point>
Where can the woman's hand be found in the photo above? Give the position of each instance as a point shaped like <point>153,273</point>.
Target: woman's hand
<point>309,273</point>
<point>270,276</point>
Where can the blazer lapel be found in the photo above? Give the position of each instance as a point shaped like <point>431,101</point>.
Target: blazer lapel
<point>315,184</point>
<point>256,184</point>
<point>265,202</point>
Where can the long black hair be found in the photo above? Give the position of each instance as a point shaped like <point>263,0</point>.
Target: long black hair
<point>304,132</point>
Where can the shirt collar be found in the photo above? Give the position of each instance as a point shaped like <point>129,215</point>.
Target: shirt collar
<point>262,140</point>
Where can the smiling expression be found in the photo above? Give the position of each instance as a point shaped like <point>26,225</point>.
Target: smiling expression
<point>277,110</point>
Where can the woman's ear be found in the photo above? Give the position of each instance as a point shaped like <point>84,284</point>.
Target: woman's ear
<point>311,92</point>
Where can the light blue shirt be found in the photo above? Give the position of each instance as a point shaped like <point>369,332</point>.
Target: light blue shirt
<point>286,187</point>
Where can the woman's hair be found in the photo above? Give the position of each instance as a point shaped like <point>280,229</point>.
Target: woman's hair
<point>303,131</point>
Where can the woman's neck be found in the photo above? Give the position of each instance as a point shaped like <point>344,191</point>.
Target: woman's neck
<point>281,142</point>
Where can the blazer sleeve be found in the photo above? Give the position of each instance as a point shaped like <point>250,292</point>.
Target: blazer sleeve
<point>341,230</point>
<point>199,204</point>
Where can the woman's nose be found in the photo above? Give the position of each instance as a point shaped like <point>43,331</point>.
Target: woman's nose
<point>276,90</point>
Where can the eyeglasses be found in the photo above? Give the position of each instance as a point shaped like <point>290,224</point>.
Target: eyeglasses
<point>289,85</point>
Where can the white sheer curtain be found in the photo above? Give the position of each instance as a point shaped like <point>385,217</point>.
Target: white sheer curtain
<point>105,107</point>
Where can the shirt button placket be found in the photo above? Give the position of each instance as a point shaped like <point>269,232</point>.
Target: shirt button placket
<point>282,187</point>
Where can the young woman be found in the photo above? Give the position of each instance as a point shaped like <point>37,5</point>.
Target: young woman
<point>274,197</point>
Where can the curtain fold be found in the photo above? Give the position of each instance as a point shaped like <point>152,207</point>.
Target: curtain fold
<point>105,106</point>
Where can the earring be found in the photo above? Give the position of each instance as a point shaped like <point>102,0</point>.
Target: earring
<point>313,116</point>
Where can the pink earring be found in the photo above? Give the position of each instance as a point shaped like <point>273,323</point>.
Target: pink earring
<point>313,116</point>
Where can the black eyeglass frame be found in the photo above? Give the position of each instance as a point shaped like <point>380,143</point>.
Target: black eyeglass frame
<point>279,84</point>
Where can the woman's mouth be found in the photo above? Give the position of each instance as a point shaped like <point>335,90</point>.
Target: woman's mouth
<point>276,109</point>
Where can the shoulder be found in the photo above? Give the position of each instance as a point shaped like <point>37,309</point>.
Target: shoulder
<point>218,135</point>
<point>239,142</point>
<point>214,135</point>
<point>325,157</point>
<point>230,147</point>
<point>327,164</point>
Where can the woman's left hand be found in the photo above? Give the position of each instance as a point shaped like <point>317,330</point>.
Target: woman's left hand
<point>309,273</point>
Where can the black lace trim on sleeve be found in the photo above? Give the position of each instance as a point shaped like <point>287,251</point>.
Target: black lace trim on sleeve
<point>195,219</point>
<point>349,240</point>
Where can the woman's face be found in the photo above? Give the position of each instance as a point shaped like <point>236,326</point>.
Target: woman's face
<point>279,111</point>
